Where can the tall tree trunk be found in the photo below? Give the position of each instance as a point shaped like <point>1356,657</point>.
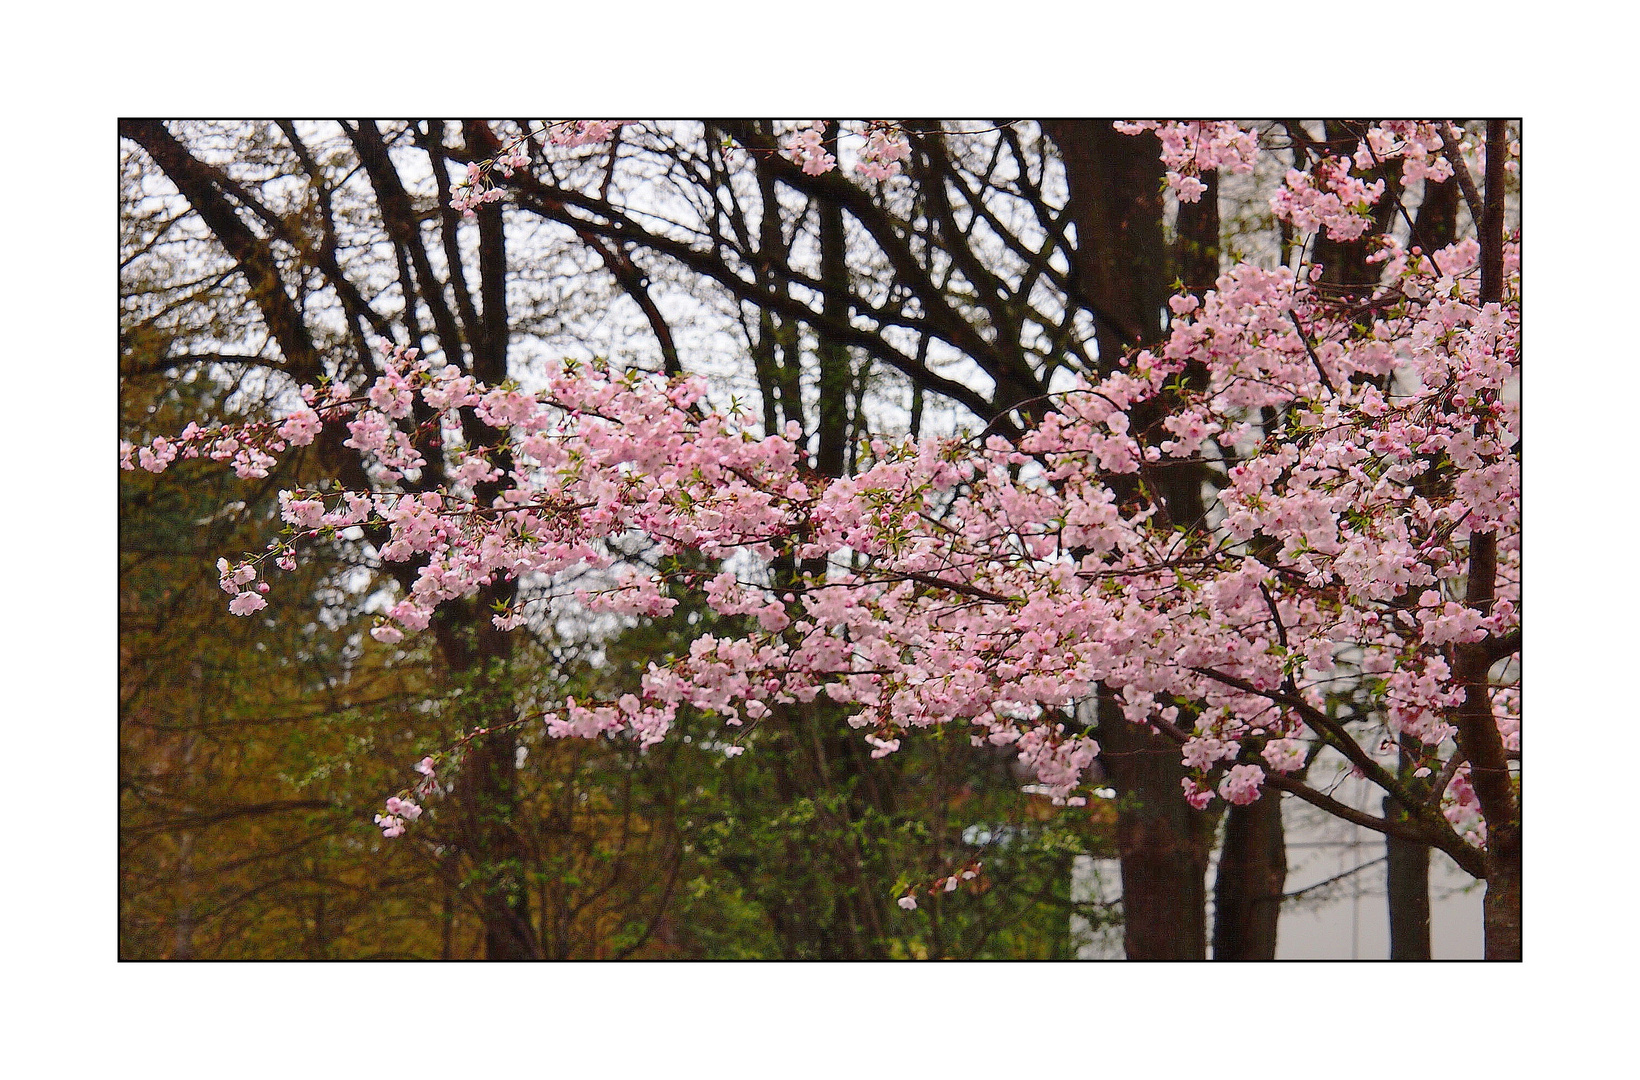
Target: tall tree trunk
<point>1252,872</point>
<point>1163,844</point>
<point>1478,735</point>
<point>836,376</point>
<point>1501,908</point>
<point>1408,874</point>
<point>476,655</point>
<point>817,756</point>
<point>1122,271</point>
<point>775,353</point>
<point>1252,876</point>
<point>1435,226</point>
<point>479,655</point>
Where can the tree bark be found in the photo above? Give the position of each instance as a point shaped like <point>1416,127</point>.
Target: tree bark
<point>1501,908</point>
<point>1478,734</point>
<point>1252,877</point>
<point>1115,202</point>
<point>1408,874</point>
<point>1121,266</point>
<point>476,655</point>
<point>836,376</point>
<point>1163,844</point>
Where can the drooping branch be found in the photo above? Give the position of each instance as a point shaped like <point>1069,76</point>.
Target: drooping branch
<point>1420,832</point>
<point>1332,730</point>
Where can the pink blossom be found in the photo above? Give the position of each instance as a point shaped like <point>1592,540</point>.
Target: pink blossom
<point>886,146</point>
<point>1196,795</point>
<point>806,148</point>
<point>246,604</point>
<point>1240,785</point>
<point>1284,755</point>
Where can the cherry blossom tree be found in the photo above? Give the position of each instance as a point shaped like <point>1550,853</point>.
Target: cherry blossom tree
<point>1352,587</point>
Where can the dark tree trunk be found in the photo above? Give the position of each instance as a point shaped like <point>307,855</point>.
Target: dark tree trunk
<point>816,756</point>
<point>1501,909</point>
<point>1408,874</point>
<point>1436,224</point>
<point>1163,844</point>
<point>836,376</point>
<point>1478,734</point>
<point>1123,272</point>
<point>1252,876</point>
<point>1408,900</point>
<point>1121,258</point>
<point>1252,871</point>
<point>1434,227</point>
<point>486,788</point>
<point>1196,249</point>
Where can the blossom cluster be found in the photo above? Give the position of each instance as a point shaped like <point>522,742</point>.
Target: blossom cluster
<point>886,145</point>
<point>234,578</point>
<point>572,133</point>
<point>1328,197</point>
<point>1416,143</point>
<point>994,584</point>
<point>399,813</point>
<point>806,147</point>
<point>1194,147</point>
<point>250,449</point>
<point>474,190</point>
